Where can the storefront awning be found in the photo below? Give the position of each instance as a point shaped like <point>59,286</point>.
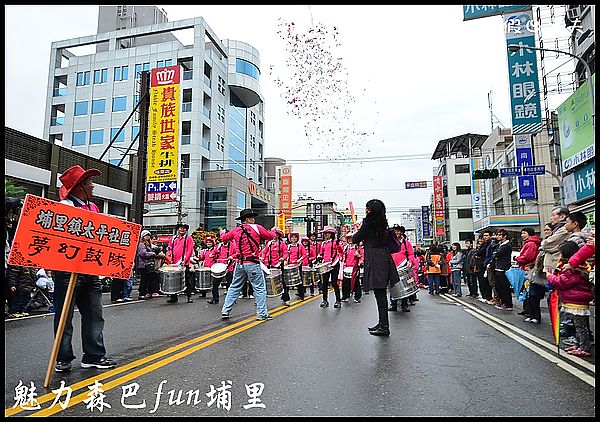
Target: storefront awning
<point>506,221</point>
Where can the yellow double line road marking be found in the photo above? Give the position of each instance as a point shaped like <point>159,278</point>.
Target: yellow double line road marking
<point>211,338</point>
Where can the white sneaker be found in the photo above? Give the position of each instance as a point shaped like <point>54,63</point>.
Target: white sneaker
<point>528,319</point>
<point>482,300</point>
<point>287,303</point>
<point>251,296</point>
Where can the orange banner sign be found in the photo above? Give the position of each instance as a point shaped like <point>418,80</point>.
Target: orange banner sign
<point>60,237</point>
<point>285,194</point>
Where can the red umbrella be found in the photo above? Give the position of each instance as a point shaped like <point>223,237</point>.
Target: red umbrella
<point>554,317</point>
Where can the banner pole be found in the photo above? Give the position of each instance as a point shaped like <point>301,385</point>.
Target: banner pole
<point>61,328</point>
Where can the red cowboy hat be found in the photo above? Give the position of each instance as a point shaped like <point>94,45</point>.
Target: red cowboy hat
<point>290,234</point>
<point>328,229</point>
<point>74,176</point>
<point>278,230</point>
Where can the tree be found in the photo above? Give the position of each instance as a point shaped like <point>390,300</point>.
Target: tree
<point>12,190</point>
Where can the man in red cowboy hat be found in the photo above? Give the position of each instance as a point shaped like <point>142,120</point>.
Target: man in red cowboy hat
<point>180,251</point>
<point>273,256</point>
<point>77,190</point>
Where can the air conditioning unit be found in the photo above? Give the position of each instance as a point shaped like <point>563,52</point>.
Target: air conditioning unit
<point>574,13</point>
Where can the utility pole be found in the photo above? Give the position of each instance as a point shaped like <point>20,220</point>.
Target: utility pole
<point>139,198</point>
<point>180,202</point>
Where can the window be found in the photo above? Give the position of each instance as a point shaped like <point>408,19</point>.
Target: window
<point>220,143</point>
<point>463,190</point>
<point>252,141</point>
<point>185,166</point>
<point>79,138</point>
<point>241,200</point>
<point>98,106</point>
<point>164,63</point>
<point>83,78</point>
<point>221,85</point>
<point>121,73</point>
<point>247,68</point>
<point>253,118</point>
<point>466,236</point>
<point>221,113</point>
<point>119,104</point>
<point>114,208</point>
<point>206,143</point>
<point>134,132</point>
<point>96,136</point>
<point>100,76</point>
<point>186,132</point>
<point>120,138</point>
<point>114,161</point>
<point>462,168</point>
<point>141,67</point>
<point>252,168</point>
<point>465,213</point>
<point>81,108</point>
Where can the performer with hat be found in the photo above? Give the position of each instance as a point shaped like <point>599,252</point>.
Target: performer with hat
<point>309,258</point>
<point>208,257</point>
<point>296,254</point>
<point>180,251</point>
<point>313,254</point>
<point>226,255</point>
<point>353,258</point>
<point>330,253</point>
<point>273,256</point>
<point>77,191</point>
<point>247,237</point>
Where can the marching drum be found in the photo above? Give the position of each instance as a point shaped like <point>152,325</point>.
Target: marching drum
<point>406,286</point>
<point>172,279</point>
<point>323,267</point>
<point>203,281</point>
<point>218,270</point>
<point>291,275</point>
<point>309,277</point>
<point>273,282</point>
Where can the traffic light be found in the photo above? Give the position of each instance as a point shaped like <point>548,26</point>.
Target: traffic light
<point>485,174</point>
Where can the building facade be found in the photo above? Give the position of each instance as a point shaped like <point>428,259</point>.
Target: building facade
<point>91,96</point>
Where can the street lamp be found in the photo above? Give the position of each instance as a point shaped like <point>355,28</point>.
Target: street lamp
<point>516,47</point>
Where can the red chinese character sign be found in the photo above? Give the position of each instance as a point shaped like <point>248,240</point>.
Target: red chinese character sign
<point>163,134</point>
<point>60,237</point>
<point>438,206</point>
<point>285,185</point>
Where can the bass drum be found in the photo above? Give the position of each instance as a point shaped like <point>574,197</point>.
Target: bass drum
<point>406,286</point>
<point>291,275</point>
<point>309,277</point>
<point>274,282</point>
<point>171,279</point>
<point>203,280</point>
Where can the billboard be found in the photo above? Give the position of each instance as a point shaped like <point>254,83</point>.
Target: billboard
<point>522,73</point>
<point>581,184</point>
<point>438,206</point>
<point>163,134</point>
<point>524,157</point>
<point>476,199</point>
<point>576,128</point>
<point>415,185</point>
<point>471,11</point>
<point>61,237</point>
<point>425,225</point>
<point>285,191</point>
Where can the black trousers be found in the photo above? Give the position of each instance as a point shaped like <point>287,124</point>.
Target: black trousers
<point>471,279</point>
<point>331,276</point>
<point>484,286</point>
<point>247,289</point>
<point>503,288</point>
<point>216,283</point>
<point>228,279</point>
<point>382,305</point>
<point>189,285</point>
<point>533,308</point>
<point>116,289</point>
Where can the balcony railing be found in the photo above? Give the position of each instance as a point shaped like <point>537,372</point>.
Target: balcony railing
<point>188,74</point>
<point>207,81</point>
<point>57,121</point>
<point>186,139</point>
<point>206,143</point>
<point>186,107</point>
<point>206,112</point>
<point>60,92</point>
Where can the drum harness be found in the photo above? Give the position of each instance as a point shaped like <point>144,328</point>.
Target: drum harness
<point>173,248</point>
<point>253,258</point>
<point>228,248</point>
<point>279,242</point>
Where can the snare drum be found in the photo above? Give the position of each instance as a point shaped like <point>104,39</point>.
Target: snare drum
<point>171,279</point>
<point>309,277</point>
<point>291,275</point>
<point>273,282</point>
<point>348,272</point>
<point>203,279</point>
<point>406,286</point>
<point>218,270</point>
<point>323,267</point>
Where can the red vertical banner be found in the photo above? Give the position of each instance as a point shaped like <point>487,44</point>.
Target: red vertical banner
<point>438,206</point>
<point>285,191</point>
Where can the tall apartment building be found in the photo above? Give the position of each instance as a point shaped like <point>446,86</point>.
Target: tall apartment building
<point>454,157</point>
<point>90,96</point>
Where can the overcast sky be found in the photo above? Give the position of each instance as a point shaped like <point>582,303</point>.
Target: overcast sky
<point>415,75</point>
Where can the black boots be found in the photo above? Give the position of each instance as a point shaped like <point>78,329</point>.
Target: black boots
<point>381,331</point>
<point>374,328</point>
<point>393,308</point>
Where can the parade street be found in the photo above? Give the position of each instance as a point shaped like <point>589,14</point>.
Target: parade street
<point>448,356</point>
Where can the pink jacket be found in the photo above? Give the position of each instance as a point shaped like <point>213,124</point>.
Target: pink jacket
<point>529,251</point>
<point>313,250</point>
<point>572,287</point>
<point>209,256</point>
<point>226,250</point>
<point>349,259</point>
<point>297,253</point>
<point>175,249</point>
<point>274,252</point>
<point>587,251</point>
<point>247,250</point>
<point>331,251</point>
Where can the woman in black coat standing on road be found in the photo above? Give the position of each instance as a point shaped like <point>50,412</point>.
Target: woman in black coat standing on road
<point>380,271</point>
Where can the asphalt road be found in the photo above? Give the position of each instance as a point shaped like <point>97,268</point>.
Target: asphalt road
<point>447,357</point>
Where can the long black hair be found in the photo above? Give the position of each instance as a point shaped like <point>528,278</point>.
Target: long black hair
<point>376,221</point>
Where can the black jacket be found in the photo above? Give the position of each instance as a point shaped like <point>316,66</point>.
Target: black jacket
<point>380,270</point>
<point>501,257</point>
<point>469,263</point>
